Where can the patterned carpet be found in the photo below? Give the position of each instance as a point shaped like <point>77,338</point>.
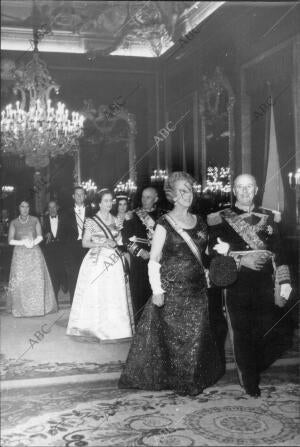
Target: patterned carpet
<point>20,369</point>
<point>85,415</point>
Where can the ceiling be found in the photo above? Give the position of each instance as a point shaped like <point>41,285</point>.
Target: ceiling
<point>136,28</point>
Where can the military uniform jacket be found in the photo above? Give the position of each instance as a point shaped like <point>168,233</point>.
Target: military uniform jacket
<point>244,231</point>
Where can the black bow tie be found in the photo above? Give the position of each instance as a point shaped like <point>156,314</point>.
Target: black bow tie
<point>53,217</point>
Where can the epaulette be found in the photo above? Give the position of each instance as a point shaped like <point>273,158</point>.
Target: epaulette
<point>214,219</point>
<point>276,214</point>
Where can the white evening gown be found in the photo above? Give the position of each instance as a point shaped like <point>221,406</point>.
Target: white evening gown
<point>102,304</point>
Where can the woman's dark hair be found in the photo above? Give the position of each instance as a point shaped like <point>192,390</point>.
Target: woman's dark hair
<point>24,200</point>
<point>102,193</point>
<point>120,198</point>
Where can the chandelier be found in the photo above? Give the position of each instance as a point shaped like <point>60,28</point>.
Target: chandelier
<point>159,176</point>
<point>128,187</point>
<point>33,128</point>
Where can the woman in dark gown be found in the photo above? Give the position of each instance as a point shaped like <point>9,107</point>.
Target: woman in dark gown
<point>173,347</point>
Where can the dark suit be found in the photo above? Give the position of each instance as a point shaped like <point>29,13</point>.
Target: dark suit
<point>53,251</point>
<point>139,281</point>
<point>73,250</point>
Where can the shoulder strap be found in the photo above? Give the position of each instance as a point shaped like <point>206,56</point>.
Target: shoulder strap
<point>103,227</point>
<point>186,237</point>
<point>109,235</point>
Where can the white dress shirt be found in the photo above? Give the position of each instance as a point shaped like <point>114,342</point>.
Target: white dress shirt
<point>80,217</point>
<point>53,225</point>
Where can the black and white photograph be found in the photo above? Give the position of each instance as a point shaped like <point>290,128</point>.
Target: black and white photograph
<point>150,223</point>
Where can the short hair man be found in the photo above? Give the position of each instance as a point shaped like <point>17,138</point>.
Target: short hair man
<point>250,235</point>
<point>53,247</point>
<point>73,226</point>
<point>141,226</point>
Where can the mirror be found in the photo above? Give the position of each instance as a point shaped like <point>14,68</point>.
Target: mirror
<point>217,136</point>
<point>113,138</point>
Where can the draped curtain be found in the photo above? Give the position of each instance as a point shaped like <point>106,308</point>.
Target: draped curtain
<point>273,76</point>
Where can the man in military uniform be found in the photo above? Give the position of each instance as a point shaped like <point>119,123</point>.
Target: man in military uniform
<point>137,236</point>
<point>250,235</point>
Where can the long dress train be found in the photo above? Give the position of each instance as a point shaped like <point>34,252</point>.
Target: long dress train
<point>173,347</point>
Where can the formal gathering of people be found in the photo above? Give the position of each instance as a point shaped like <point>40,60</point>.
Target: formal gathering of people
<point>147,274</point>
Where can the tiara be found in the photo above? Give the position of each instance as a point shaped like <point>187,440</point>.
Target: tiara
<point>122,196</point>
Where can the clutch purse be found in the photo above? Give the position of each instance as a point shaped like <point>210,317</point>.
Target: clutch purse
<point>223,271</point>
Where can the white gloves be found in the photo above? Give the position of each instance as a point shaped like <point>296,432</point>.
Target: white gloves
<point>15,242</point>
<point>28,243</point>
<point>154,277</point>
<point>222,247</point>
<point>37,240</point>
<point>285,291</point>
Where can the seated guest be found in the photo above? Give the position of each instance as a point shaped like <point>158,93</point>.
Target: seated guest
<point>250,235</point>
<point>72,228</point>
<point>30,291</point>
<point>102,302</point>
<point>173,347</point>
<point>53,248</point>
<point>137,236</point>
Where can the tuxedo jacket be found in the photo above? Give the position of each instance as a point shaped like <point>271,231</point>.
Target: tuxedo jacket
<point>135,227</point>
<point>47,228</point>
<point>69,224</point>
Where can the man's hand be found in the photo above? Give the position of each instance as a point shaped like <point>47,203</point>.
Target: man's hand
<point>158,299</point>
<point>144,254</point>
<point>285,291</point>
<point>221,247</point>
<point>48,238</point>
<point>253,262</point>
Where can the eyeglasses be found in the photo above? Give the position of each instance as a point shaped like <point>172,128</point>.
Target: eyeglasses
<point>184,192</point>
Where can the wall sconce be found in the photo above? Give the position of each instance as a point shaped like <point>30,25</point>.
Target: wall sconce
<point>294,179</point>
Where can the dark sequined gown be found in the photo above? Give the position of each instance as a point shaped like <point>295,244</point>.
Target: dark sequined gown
<point>173,347</point>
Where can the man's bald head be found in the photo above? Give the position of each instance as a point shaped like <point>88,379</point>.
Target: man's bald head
<point>245,189</point>
<point>149,198</point>
<point>243,177</point>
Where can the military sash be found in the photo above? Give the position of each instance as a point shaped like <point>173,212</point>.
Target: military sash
<point>246,231</point>
<point>147,221</point>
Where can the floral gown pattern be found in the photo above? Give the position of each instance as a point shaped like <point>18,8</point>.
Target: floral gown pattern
<point>173,347</point>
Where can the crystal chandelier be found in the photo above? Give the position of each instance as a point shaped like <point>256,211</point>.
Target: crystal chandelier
<point>34,129</point>
<point>127,188</point>
<point>159,176</point>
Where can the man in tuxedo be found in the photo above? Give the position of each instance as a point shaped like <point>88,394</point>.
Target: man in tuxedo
<point>141,226</point>
<point>73,226</point>
<point>53,247</point>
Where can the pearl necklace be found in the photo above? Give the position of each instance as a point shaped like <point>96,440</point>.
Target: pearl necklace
<point>22,221</point>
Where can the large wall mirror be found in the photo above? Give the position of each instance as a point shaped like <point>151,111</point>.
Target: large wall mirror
<point>217,133</point>
<point>110,140</point>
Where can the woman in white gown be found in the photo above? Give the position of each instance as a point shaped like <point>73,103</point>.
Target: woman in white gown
<point>102,303</point>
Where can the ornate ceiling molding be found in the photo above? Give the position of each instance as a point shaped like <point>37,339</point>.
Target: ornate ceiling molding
<point>134,28</point>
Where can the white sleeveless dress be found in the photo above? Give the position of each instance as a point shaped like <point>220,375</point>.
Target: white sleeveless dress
<point>102,303</point>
